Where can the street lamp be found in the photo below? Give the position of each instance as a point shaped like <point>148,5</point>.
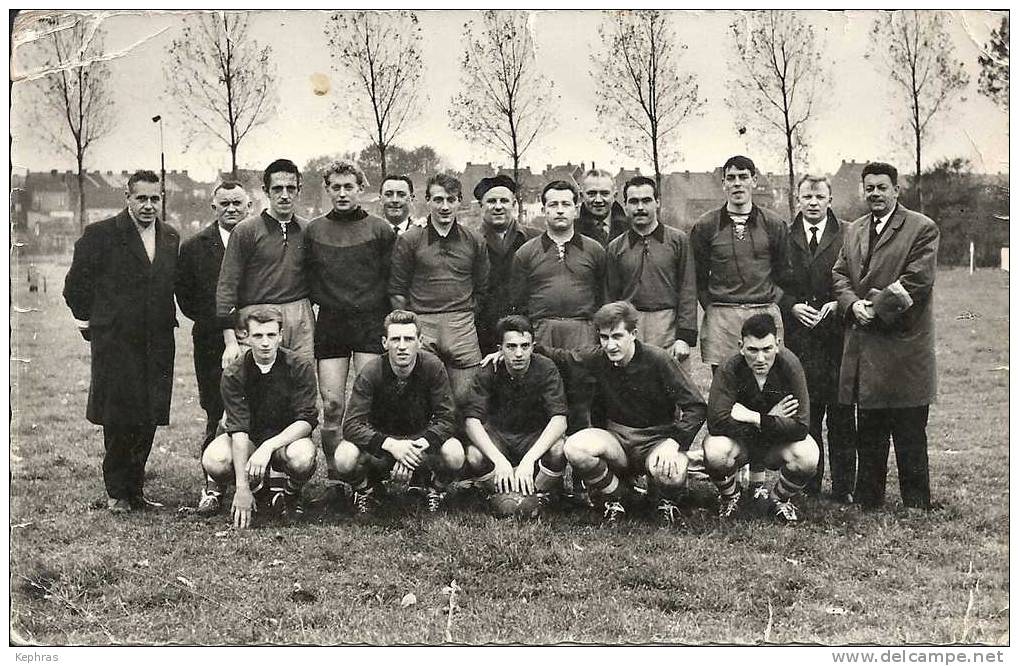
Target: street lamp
<point>162,164</point>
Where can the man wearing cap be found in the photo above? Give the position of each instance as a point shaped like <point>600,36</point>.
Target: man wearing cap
<point>503,236</point>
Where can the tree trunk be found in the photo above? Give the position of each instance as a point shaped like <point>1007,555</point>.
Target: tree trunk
<point>81,194</point>
<point>791,196</point>
<point>382,163</point>
<point>919,174</point>
<point>233,162</point>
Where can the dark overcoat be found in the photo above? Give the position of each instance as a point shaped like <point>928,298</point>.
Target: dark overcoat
<point>197,275</point>
<point>128,302</point>
<point>890,362</point>
<point>820,348</point>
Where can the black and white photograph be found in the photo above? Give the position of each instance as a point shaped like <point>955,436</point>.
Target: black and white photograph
<point>510,327</point>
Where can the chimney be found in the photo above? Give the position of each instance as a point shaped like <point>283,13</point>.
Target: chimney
<point>69,172</point>
<point>53,172</point>
<point>109,173</point>
<point>592,164</point>
<point>185,172</point>
<point>123,173</point>
<point>548,167</point>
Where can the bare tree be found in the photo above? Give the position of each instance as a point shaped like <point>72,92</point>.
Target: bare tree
<point>381,54</point>
<point>505,103</point>
<point>993,81</point>
<point>72,102</point>
<point>643,95</point>
<point>223,80</point>
<point>775,89</point>
<point>917,54</point>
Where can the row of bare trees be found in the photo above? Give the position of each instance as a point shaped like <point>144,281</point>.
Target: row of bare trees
<point>224,80</point>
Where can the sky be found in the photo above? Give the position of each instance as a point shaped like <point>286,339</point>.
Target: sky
<point>857,119</point>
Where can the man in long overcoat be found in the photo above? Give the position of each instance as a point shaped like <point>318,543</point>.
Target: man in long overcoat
<point>884,284</point>
<point>814,333</point>
<point>120,290</point>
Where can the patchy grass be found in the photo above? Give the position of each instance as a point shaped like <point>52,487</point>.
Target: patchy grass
<point>80,576</point>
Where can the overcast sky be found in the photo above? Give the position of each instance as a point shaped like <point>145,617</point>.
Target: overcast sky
<point>857,120</point>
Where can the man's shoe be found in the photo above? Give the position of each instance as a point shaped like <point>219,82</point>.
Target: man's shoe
<point>118,506</point>
<point>434,499</point>
<point>668,513</point>
<point>277,505</point>
<point>728,506</point>
<point>363,500</point>
<point>785,512</point>
<point>141,502</point>
<point>210,503</point>
<point>294,503</point>
<point>615,513</point>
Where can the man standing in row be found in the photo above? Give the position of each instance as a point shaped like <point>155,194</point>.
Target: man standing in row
<point>814,332</point>
<point>884,283</point>
<point>347,254</point>
<point>651,267</point>
<point>120,290</point>
<point>439,272</point>
<point>742,261</point>
<point>197,275</point>
<point>601,216</point>
<point>503,236</point>
<point>264,265</point>
<point>397,195</point>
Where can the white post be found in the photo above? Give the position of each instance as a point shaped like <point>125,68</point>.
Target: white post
<point>971,257</point>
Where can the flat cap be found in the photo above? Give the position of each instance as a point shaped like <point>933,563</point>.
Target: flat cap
<point>485,184</point>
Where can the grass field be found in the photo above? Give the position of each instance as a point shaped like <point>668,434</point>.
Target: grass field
<point>80,576</point>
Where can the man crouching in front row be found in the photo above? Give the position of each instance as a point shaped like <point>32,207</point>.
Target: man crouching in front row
<point>269,398</point>
<point>758,412</point>
<point>400,416</point>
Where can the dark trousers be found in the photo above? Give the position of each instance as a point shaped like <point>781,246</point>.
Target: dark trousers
<point>127,451</point>
<point>907,427</point>
<point>841,446</point>
<point>208,369</point>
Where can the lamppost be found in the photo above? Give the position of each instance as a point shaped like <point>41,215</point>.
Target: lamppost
<point>162,164</point>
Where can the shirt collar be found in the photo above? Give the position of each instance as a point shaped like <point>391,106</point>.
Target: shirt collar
<point>435,237</point>
<point>724,219</point>
<point>547,242</point>
<point>224,234</point>
<point>820,227</point>
<point>658,234</point>
<point>272,223</point>
<point>346,216</point>
<point>883,220</point>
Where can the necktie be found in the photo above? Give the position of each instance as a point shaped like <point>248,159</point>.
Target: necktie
<point>813,240</point>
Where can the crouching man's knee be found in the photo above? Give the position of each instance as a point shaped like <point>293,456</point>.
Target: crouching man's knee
<point>802,457</point>
<point>300,459</point>
<point>450,457</point>
<point>580,449</point>
<point>217,460</point>
<point>478,463</point>
<point>668,465</point>
<point>346,458</point>
<point>721,455</point>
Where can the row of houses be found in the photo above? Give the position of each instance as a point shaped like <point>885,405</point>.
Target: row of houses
<point>44,204</point>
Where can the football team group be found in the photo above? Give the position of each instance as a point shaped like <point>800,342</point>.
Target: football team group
<point>540,366</point>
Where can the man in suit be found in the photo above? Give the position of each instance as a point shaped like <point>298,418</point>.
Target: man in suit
<point>120,290</point>
<point>814,333</point>
<point>197,274</point>
<point>884,284</point>
<point>601,216</point>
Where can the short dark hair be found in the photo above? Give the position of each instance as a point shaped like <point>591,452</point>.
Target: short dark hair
<point>759,326</point>
<point>141,176</point>
<point>280,166</point>
<point>400,317</point>
<point>263,315</point>
<point>740,162</point>
<point>447,182</point>
<point>514,323</point>
<point>560,185</point>
<point>639,181</point>
<point>406,179</point>
<point>880,169</point>
<point>610,314</point>
<point>227,185</point>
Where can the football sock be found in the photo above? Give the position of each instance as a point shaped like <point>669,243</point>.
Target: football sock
<point>787,488</point>
<point>727,486</point>
<point>601,481</point>
<point>441,480</point>
<point>547,478</point>
<point>757,477</point>
<point>293,486</point>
